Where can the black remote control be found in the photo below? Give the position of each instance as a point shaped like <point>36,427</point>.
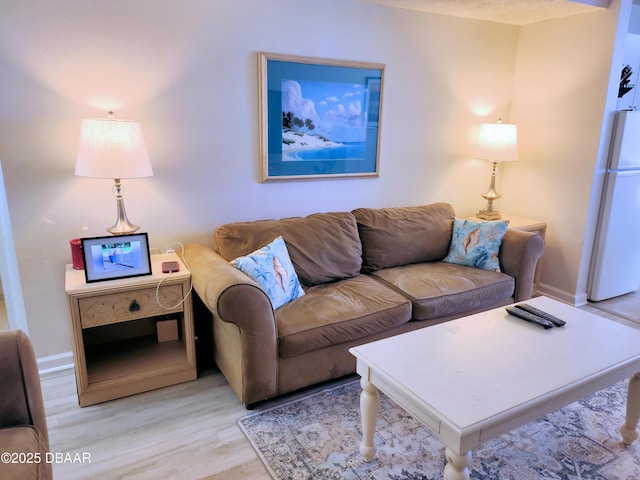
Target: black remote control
<point>529,317</point>
<point>547,316</point>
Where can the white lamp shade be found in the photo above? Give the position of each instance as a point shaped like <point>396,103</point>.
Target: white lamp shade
<point>110,148</point>
<point>497,142</point>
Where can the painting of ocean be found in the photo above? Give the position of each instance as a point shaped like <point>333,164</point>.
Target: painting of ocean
<point>320,117</point>
<point>351,151</point>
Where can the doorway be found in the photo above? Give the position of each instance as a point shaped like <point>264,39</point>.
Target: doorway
<point>12,313</point>
<point>4,318</point>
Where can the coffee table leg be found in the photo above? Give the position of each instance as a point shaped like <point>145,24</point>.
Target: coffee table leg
<point>457,467</point>
<point>369,403</point>
<point>628,430</point>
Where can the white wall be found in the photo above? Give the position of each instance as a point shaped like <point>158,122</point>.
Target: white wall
<point>564,92</point>
<point>188,71</point>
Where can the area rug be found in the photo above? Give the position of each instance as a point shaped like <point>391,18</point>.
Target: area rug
<point>317,437</point>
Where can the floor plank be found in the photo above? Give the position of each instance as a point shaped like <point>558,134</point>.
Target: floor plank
<point>186,431</point>
<point>624,306</point>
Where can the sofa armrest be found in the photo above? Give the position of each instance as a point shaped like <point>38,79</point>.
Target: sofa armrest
<point>21,402</point>
<point>23,424</point>
<point>519,256</point>
<point>244,326</point>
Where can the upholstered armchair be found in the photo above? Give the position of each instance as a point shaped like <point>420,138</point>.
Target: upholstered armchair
<point>24,439</point>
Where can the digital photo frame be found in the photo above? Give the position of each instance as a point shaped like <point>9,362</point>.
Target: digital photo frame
<point>113,257</point>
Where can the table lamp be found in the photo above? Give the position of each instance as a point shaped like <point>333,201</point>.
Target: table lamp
<point>111,148</point>
<point>497,142</point>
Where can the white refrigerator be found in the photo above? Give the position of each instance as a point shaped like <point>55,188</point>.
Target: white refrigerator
<point>615,269</point>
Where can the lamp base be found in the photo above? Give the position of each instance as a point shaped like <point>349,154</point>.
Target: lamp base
<point>122,226</point>
<point>488,215</point>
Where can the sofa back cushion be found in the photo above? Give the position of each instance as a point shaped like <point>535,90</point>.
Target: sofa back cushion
<point>323,247</point>
<point>400,236</point>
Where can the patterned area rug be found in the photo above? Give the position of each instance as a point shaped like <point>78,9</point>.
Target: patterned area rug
<point>317,437</point>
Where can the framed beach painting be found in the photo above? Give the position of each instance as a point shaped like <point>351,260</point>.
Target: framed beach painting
<point>319,118</point>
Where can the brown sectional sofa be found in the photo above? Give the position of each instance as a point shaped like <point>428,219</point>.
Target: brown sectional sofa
<point>367,274</point>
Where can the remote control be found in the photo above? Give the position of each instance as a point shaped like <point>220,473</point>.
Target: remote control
<point>529,317</point>
<point>547,316</point>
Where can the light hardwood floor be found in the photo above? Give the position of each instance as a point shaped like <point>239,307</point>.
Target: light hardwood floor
<point>187,431</point>
<point>626,307</point>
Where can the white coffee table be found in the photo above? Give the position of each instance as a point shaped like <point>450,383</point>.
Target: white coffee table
<point>478,377</point>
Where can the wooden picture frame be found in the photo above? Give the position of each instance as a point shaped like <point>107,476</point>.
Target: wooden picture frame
<point>319,118</point>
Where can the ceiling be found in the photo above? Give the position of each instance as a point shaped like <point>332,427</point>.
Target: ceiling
<point>514,12</point>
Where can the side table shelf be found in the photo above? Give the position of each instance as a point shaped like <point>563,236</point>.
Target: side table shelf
<point>117,348</point>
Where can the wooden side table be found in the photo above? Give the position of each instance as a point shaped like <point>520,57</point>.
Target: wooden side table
<point>129,335</point>
<point>528,225</point>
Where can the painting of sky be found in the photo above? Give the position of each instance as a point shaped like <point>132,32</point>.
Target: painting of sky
<point>337,110</point>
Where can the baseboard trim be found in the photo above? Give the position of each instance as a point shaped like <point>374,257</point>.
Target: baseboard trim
<point>55,363</point>
<point>562,296</point>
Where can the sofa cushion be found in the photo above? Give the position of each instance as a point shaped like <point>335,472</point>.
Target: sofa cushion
<point>323,247</point>
<point>399,236</point>
<point>339,312</point>
<point>27,440</point>
<point>438,289</point>
<point>271,268</point>
<point>476,243</point>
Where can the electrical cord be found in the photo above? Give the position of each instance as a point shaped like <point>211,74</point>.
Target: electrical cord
<point>165,307</point>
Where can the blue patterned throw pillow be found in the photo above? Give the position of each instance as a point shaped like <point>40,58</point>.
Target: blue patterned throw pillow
<point>476,244</point>
<point>271,268</point>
